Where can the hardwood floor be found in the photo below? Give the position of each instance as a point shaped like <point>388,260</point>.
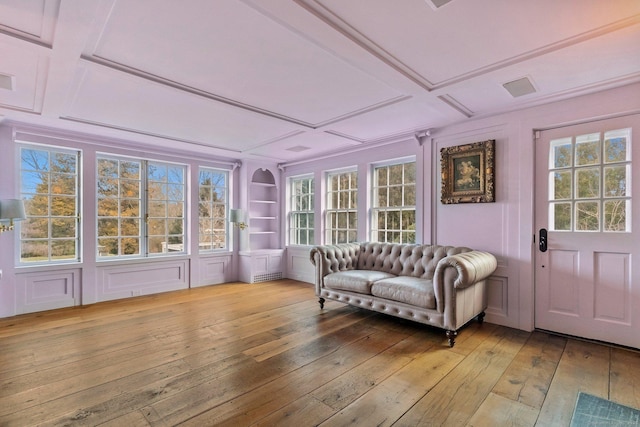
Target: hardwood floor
<point>265,354</point>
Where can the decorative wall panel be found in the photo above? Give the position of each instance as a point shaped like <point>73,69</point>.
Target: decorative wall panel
<point>123,281</point>
<point>47,290</point>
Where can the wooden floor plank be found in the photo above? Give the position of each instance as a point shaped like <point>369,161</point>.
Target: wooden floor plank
<point>625,377</point>
<point>528,377</point>
<point>583,367</point>
<point>500,411</point>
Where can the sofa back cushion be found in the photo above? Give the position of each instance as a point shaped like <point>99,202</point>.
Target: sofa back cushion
<point>404,260</point>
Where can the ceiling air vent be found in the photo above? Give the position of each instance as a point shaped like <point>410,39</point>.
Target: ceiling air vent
<point>6,82</point>
<point>298,148</point>
<point>520,87</point>
<point>437,4</point>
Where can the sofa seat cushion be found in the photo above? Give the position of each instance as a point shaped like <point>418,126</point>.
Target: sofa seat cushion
<point>409,290</point>
<point>359,281</point>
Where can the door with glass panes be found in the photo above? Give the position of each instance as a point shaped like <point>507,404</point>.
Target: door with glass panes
<point>587,231</point>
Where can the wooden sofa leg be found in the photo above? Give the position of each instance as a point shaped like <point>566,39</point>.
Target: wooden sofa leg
<point>451,336</point>
<point>321,301</point>
<point>481,318</point>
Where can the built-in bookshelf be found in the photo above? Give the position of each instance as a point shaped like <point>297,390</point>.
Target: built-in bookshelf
<point>262,259</point>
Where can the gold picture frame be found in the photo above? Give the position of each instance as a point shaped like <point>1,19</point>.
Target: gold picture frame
<point>468,173</point>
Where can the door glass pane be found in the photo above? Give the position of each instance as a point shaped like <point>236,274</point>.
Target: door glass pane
<point>615,214</point>
<point>587,216</point>
<point>615,181</point>
<point>560,217</point>
<point>561,185</point>
<point>588,149</point>
<point>616,146</point>
<point>588,183</point>
<point>561,154</point>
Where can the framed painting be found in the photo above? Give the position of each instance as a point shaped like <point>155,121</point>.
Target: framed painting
<point>468,173</point>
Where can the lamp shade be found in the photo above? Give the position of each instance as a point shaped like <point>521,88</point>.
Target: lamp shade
<point>12,209</point>
<point>236,215</point>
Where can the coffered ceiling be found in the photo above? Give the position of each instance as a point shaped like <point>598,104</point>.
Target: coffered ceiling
<point>285,80</point>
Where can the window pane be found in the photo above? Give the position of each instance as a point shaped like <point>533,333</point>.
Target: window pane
<point>34,160</point>
<point>396,174</point>
<point>107,187</point>
<point>35,228</point>
<point>36,205</point>
<point>107,247</point>
<point>395,196</point>
<point>130,246</point>
<point>130,227</point>
<point>63,227</point>
<point>63,249</point>
<point>63,206</point>
<point>409,195</point>
<point>129,170</point>
<point>157,209</point>
<point>410,173</point>
<point>34,251</point>
<point>129,208</point>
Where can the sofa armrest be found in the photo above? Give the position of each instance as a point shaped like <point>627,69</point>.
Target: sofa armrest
<point>460,271</point>
<point>333,258</point>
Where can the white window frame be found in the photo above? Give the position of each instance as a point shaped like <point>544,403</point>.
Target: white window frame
<point>402,232</point>
<point>50,216</point>
<point>207,236</point>
<point>299,217</point>
<point>147,221</point>
<point>341,213</point>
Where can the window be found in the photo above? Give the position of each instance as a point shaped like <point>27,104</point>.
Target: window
<point>589,182</point>
<point>394,203</point>
<point>130,224</point>
<point>301,222</point>
<point>212,210</point>
<point>341,213</point>
<point>49,186</point>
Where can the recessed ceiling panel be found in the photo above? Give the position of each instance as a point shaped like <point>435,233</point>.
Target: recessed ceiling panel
<point>108,99</point>
<point>231,50</point>
<point>469,37</point>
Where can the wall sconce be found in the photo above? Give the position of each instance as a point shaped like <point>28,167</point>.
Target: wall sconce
<point>10,210</point>
<point>237,218</point>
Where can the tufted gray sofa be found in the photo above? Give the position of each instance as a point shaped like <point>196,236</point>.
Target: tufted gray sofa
<point>442,286</point>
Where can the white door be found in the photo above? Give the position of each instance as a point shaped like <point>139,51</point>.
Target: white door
<point>587,199</point>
